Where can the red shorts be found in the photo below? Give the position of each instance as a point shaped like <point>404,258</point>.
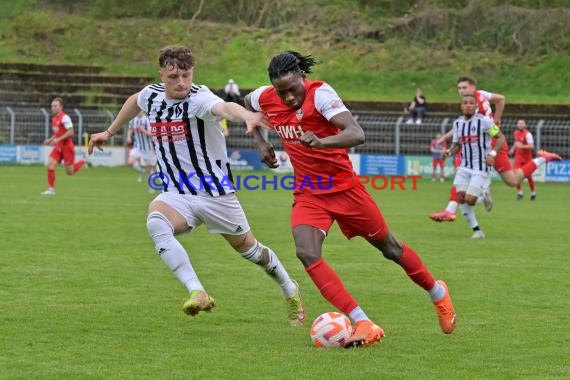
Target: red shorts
<point>435,162</point>
<point>457,160</point>
<point>65,152</point>
<point>521,161</point>
<point>502,163</point>
<point>354,210</point>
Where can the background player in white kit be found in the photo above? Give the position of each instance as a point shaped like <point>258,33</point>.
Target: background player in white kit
<point>191,152</point>
<point>472,133</point>
<point>141,156</point>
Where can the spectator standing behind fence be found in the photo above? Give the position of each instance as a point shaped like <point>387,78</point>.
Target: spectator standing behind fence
<point>417,108</point>
<point>63,150</point>
<point>231,91</point>
<point>437,149</point>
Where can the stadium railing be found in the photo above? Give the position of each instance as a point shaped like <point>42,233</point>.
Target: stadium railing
<point>385,134</point>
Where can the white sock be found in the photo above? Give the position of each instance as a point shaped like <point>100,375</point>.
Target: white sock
<point>171,251</point>
<point>451,207</point>
<point>539,161</point>
<point>357,314</point>
<point>266,258</point>
<point>533,193</point>
<point>437,292</point>
<point>137,167</point>
<point>469,215</point>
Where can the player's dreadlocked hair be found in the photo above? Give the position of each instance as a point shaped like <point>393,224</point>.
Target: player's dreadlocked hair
<point>290,62</point>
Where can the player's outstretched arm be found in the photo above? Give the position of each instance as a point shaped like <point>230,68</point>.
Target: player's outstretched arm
<point>234,112</point>
<point>264,147</point>
<point>499,101</point>
<point>454,148</point>
<point>498,145</point>
<point>446,136</point>
<point>350,136</point>
<point>129,110</point>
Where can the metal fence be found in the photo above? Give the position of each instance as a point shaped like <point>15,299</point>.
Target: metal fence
<point>385,134</point>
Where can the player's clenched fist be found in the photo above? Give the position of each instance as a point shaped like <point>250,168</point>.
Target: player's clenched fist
<point>311,141</point>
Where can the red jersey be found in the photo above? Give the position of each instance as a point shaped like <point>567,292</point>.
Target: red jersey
<point>60,124</point>
<point>484,108</point>
<point>315,170</point>
<point>435,146</point>
<point>524,137</point>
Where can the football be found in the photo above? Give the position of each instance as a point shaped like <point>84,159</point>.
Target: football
<point>331,330</point>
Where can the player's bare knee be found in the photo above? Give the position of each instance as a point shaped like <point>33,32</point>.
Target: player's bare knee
<point>308,257</point>
<point>470,200</point>
<point>390,247</point>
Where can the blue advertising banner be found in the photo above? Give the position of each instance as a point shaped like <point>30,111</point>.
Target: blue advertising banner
<point>8,154</point>
<point>558,171</point>
<point>381,165</point>
<point>30,154</point>
<point>245,160</point>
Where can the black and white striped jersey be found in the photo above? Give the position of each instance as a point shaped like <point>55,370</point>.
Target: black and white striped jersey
<point>473,136</point>
<point>141,141</point>
<point>189,145</point>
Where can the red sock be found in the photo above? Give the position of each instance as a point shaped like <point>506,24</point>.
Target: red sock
<point>453,195</point>
<point>51,178</point>
<point>530,183</point>
<point>330,286</point>
<point>77,166</point>
<point>528,168</point>
<point>415,268</point>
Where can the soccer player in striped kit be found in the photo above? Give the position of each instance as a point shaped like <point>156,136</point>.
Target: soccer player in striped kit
<point>191,152</point>
<point>142,153</point>
<point>472,134</point>
<point>63,147</point>
<point>511,177</point>
<point>316,129</point>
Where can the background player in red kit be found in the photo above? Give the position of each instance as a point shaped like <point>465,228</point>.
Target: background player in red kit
<point>316,128</point>
<point>437,148</point>
<point>63,150</point>
<point>522,149</point>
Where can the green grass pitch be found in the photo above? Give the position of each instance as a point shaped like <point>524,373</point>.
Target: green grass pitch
<point>83,295</point>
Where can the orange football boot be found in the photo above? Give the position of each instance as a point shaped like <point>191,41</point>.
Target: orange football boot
<point>445,311</point>
<point>364,334</point>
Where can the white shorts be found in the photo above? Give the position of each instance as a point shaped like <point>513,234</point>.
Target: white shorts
<point>221,215</point>
<point>473,182</point>
<point>147,158</point>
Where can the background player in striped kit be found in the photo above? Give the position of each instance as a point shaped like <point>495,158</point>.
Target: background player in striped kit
<point>522,149</point>
<point>472,133</point>
<point>191,151</point>
<point>142,153</point>
<point>511,177</point>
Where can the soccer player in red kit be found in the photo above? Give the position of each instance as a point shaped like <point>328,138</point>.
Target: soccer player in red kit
<point>63,150</point>
<point>316,129</point>
<point>511,177</point>
<point>522,149</point>
<point>437,148</point>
